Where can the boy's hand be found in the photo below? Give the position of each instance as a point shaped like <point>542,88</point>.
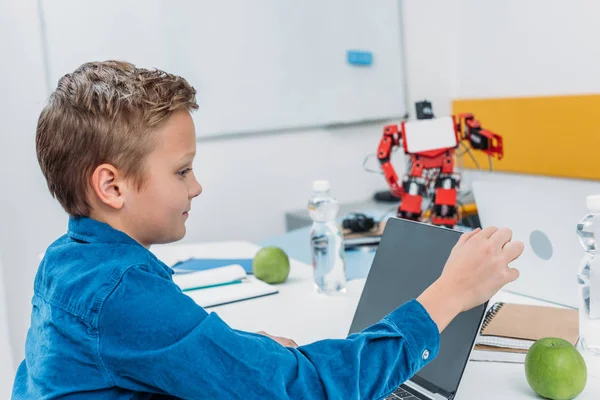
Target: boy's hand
<point>478,265</point>
<point>281,340</point>
<point>476,269</point>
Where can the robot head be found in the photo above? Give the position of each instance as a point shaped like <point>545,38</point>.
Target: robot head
<point>424,109</point>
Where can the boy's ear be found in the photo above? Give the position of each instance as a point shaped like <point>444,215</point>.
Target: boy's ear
<point>108,185</point>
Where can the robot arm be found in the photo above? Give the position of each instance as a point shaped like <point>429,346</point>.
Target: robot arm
<point>479,138</point>
<point>391,139</point>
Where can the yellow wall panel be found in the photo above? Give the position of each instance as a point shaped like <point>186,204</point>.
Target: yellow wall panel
<point>554,135</point>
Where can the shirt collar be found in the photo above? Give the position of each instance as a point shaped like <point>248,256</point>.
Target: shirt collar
<point>92,231</point>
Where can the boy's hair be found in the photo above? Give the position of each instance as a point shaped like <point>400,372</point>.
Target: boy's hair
<point>104,112</point>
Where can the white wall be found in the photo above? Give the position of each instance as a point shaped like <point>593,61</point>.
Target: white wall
<point>529,47</point>
<point>6,361</point>
<point>431,58</point>
<point>474,49</point>
<point>248,181</point>
<point>29,218</point>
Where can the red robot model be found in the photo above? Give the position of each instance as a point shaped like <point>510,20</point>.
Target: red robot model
<point>430,143</point>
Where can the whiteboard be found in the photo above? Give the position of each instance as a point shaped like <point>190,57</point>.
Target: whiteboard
<point>258,65</point>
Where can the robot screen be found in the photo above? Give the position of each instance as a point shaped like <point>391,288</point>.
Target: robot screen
<point>429,134</point>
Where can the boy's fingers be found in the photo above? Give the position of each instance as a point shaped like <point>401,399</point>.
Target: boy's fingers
<point>512,274</point>
<point>487,232</point>
<point>467,235</point>
<point>512,251</point>
<point>501,237</point>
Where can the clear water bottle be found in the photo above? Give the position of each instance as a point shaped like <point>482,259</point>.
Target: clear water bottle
<point>588,230</point>
<point>326,241</point>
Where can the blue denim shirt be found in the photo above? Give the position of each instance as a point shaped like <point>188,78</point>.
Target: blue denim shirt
<point>109,323</point>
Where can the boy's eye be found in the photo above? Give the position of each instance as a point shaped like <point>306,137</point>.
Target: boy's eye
<point>184,172</point>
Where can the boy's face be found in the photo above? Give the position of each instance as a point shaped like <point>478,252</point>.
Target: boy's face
<point>158,211</point>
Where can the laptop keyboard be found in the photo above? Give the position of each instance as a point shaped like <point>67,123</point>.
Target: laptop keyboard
<point>400,393</point>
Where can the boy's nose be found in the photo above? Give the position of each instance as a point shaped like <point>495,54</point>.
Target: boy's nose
<point>196,190</point>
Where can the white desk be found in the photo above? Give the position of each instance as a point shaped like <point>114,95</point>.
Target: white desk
<point>299,313</point>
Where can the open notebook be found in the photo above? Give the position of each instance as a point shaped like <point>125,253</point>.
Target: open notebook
<point>509,330</point>
<point>223,285</point>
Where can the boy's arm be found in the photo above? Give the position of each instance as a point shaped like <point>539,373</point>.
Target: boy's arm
<point>153,338</point>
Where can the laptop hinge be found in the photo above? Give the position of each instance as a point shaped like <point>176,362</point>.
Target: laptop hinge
<point>433,396</point>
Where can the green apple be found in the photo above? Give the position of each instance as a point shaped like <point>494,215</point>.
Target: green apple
<point>555,369</point>
<point>271,265</point>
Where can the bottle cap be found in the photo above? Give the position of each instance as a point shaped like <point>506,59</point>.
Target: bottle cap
<point>593,202</point>
<point>321,186</point>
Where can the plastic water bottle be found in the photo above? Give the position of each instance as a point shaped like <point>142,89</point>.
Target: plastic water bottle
<point>588,278</point>
<point>326,241</point>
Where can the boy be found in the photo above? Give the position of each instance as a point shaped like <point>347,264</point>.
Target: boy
<point>116,145</point>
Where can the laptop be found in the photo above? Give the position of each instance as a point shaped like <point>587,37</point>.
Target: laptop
<point>543,213</point>
<point>410,257</point>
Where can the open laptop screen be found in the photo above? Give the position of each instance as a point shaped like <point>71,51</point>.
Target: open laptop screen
<point>410,257</point>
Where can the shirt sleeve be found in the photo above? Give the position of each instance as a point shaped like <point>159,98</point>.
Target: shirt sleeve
<point>153,338</point>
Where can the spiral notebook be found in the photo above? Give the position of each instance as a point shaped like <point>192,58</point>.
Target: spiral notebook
<point>514,328</point>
